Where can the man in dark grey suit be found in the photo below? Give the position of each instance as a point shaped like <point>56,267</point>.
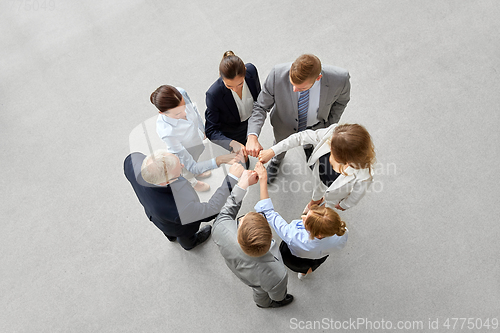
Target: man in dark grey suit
<point>245,242</point>
<point>300,95</point>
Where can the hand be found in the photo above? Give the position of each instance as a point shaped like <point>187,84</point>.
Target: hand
<point>261,172</point>
<point>266,155</point>
<point>236,169</point>
<point>338,207</point>
<point>248,178</point>
<point>253,146</point>
<point>238,147</point>
<point>240,157</point>
<point>312,203</point>
<point>227,159</point>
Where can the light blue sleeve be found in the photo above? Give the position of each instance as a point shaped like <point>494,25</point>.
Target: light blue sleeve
<point>282,228</point>
<point>188,100</point>
<point>194,167</point>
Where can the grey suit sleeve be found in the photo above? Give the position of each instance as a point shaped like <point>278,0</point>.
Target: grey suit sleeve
<point>191,210</point>
<point>232,206</point>
<point>339,105</point>
<point>264,103</point>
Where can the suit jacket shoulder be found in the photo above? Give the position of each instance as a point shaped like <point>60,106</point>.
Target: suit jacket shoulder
<point>282,73</point>
<point>334,71</point>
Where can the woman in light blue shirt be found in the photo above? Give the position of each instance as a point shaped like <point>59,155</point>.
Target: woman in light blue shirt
<point>180,126</point>
<point>306,242</point>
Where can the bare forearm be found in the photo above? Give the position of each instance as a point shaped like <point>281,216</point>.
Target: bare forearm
<point>264,193</point>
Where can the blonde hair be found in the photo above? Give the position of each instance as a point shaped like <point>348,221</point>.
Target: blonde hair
<point>254,235</point>
<point>156,166</point>
<point>324,221</point>
<point>305,67</point>
<point>351,144</point>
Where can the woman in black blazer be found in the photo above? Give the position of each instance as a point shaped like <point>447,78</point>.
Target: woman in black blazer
<point>230,103</point>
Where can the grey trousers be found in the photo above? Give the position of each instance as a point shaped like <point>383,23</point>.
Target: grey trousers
<point>264,298</point>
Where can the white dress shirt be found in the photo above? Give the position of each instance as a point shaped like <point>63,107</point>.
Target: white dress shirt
<point>245,103</point>
<point>297,237</point>
<point>181,134</point>
<point>312,111</point>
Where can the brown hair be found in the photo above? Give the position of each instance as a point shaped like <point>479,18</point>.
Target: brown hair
<point>305,67</point>
<point>325,222</point>
<point>254,235</point>
<point>351,144</point>
<point>231,66</point>
<point>166,97</point>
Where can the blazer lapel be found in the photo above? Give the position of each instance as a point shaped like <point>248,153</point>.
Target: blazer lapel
<point>322,147</point>
<point>251,85</point>
<point>227,98</point>
<point>294,97</point>
<point>319,151</point>
<point>341,181</point>
<point>323,92</point>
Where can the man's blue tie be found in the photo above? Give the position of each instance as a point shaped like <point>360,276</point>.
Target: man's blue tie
<point>303,107</point>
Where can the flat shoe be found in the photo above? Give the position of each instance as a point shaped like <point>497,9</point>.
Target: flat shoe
<point>206,174</point>
<point>201,187</point>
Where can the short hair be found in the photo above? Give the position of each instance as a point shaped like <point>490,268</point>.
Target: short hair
<point>306,67</point>
<point>166,97</point>
<point>324,221</point>
<point>231,66</point>
<point>255,235</point>
<point>156,166</point>
<point>351,144</point>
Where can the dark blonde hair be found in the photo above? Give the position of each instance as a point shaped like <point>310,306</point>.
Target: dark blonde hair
<point>325,222</point>
<point>166,97</point>
<point>231,66</point>
<point>305,67</point>
<point>254,235</point>
<point>351,144</point>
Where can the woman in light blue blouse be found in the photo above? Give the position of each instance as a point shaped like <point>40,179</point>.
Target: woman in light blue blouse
<point>307,242</point>
<point>180,126</point>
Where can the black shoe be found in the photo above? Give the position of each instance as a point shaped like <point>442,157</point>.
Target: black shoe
<point>272,171</point>
<point>202,235</point>
<point>277,304</point>
<point>170,238</point>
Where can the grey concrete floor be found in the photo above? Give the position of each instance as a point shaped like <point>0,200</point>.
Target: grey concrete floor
<point>79,255</point>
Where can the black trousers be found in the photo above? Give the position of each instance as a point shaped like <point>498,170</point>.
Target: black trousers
<point>187,242</point>
<point>326,172</point>
<point>187,235</point>
<point>297,264</point>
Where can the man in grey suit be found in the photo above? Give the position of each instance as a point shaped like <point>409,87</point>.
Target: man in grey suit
<point>245,242</point>
<point>300,95</point>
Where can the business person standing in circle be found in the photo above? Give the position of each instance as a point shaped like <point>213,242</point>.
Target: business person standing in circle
<point>230,103</point>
